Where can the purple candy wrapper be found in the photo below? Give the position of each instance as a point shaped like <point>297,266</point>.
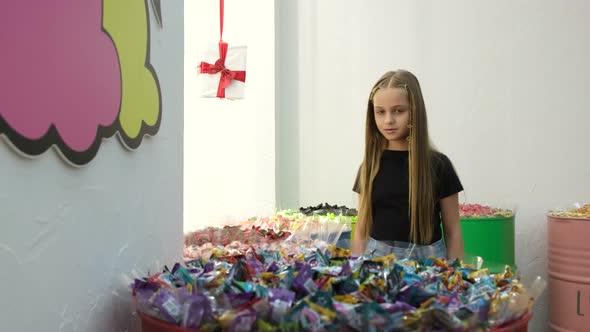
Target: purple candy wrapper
<point>141,284</point>
<point>310,319</point>
<point>299,265</point>
<point>261,307</point>
<point>243,322</point>
<point>455,302</point>
<point>346,269</point>
<point>396,307</point>
<point>278,294</point>
<point>255,264</point>
<point>171,280</point>
<point>182,294</point>
<point>144,293</point>
<point>414,294</point>
<point>175,268</point>
<point>237,300</point>
<point>348,313</point>
<point>196,310</point>
<point>167,305</point>
<point>280,301</point>
<point>273,267</point>
<point>303,282</point>
<point>142,300</point>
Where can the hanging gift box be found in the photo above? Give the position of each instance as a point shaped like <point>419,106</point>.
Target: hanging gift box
<point>223,68</point>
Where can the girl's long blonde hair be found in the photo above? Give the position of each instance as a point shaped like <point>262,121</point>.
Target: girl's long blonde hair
<point>421,177</point>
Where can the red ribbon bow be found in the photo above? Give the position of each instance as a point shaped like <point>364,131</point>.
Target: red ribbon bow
<point>227,75</point>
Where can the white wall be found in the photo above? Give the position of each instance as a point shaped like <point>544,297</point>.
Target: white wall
<point>69,234</point>
<point>504,86</point>
<point>229,146</point>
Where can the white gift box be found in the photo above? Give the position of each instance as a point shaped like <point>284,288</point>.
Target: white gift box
<point>235,61</point>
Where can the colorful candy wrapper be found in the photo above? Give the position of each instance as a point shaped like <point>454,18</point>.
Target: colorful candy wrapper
<point>287,277</point>
<point>374,288</point>
<point>303,283</point>
<point>346,269</point>
<point>167,305</point>
<point>309,319</point>
<point>237,300</point>
<point>260,306</point>
<point>409,278</point>
<point>143,296</point>
<point>322,299</point>
<point>261,292</point>
<point>280,301</point>
<point>369,268</point>
<point>396,307</point>
<point>243,322</point>
<point>387,260</point>
<point>181,272</point>
<point>337,252</point>
<point>273,267</point>
<point>145,285</point>
<point>255,264</point>
<point>238,269</point>
<point>263,326</point>
<point>169,280</point>
<point>196,310</point>
<point>346,298</point>
<point>345,286</point>
<point>414,295</point>
<point>393,282</point>
<point>374,318</point>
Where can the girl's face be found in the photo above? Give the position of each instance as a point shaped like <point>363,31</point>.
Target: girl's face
<point>391,108</point>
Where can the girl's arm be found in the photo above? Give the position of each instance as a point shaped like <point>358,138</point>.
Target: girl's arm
<point>449,207</point>
<point>359,242</point>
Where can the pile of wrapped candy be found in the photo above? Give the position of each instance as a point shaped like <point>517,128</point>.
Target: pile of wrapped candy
<point>238,243</point>
<point>483,211</point>
<point>234,240</point>
<point>288,230</point>
<point>581,212</point>
<point>228,234</point>
<point>328,290</point>
<point>325,208</point>
<point>295,221</point>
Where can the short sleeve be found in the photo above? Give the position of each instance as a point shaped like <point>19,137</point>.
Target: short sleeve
<point>448,180</point>
<point>357,182</point>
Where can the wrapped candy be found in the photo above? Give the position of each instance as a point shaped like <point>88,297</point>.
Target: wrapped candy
<point>274,291</point>
<point>575,212</point>
<point>482,211</point>
<point>324,209</point>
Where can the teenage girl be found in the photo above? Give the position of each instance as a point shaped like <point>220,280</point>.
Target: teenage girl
<point>406,187</point>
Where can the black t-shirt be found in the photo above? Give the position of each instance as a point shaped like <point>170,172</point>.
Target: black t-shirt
<point>390,197</point>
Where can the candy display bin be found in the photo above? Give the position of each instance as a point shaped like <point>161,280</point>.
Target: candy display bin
<point>569,273</point>
<point>151,324</point>
<point>520,325</point>
<point>492,239</point>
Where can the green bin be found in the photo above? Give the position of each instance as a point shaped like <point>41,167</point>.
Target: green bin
<point>492,239</point>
